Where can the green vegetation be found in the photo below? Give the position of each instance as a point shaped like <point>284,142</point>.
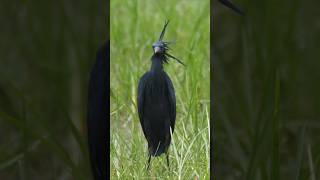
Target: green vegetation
<point>135,25</point>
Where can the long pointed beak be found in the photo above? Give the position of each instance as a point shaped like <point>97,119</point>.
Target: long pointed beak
<point>156,49</point>
<point>231,6</point>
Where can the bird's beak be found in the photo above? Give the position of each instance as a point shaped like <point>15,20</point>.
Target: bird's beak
<point>157,49</point>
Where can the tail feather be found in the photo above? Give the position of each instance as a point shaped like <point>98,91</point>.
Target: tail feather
<point>158,150</point>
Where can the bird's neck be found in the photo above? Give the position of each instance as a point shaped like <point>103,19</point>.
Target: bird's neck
<point>157,61</point>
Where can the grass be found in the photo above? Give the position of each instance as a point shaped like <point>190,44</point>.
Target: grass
<point>135,25</point>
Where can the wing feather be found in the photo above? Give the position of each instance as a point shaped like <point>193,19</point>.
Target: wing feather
<point>141,99</point>
<point>172,101</point>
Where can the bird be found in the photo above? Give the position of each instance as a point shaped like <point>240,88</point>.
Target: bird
<point>97,107</point>
<point>156,101</point>
<point>232,6</point>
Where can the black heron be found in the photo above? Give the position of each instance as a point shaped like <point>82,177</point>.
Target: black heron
<point>98,106</point>
<point>157,102</point>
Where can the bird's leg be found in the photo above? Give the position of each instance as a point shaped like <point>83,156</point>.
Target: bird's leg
<point>148,167</point>
<point>167,154</point>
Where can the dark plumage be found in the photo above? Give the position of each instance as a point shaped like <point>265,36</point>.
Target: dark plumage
<point>157,102</point>
<point>97,114</point>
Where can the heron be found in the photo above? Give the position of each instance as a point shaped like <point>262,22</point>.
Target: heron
<point>157,102</point>
<point>156,98</point>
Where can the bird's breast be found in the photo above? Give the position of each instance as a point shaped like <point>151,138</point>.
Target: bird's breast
<point>157,87</point>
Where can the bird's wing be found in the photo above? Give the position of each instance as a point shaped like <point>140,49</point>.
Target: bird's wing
<point>140,99</point>
<point>172,101</point>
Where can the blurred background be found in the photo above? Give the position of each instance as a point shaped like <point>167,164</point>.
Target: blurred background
<point>265,75</point>
<point>47,49</point>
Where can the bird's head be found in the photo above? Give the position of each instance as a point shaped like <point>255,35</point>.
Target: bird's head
<point>161,47</point>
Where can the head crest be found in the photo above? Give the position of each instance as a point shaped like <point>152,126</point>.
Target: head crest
<point>165,45</point>
<point>163,30</point>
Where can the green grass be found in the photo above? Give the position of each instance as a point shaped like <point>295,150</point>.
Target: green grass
<point>135,25</point>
